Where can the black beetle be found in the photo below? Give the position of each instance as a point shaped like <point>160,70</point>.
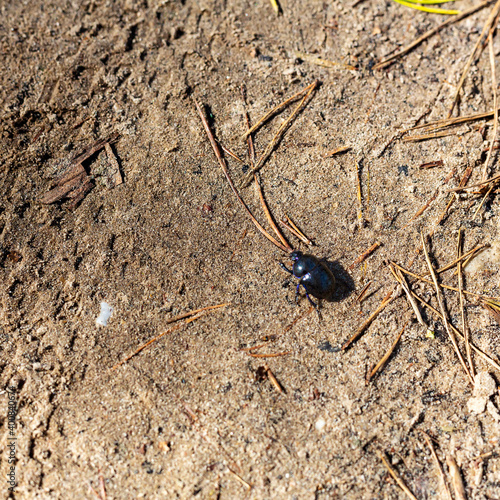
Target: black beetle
<point>313,275</point>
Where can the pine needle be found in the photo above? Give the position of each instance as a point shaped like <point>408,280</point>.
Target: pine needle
<point>278,108</point>
<point>387,355</point>
<point>396,476</point>
<point>223,165</point>
<point>389,60</point>
<point>387,299</point>
<point>438,463</point>
<point>269,217</point>
<point>495,104</point>
<point>196,314</point>
<point>494,12</point>
<point>443,311</point>
<point>277,137</point>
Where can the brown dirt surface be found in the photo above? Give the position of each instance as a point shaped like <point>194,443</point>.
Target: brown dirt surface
<point>193,412</point>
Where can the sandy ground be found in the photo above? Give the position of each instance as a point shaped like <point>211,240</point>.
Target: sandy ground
<point>193,413</point>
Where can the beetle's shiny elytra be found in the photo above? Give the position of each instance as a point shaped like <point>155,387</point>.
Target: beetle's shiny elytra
<point>313,275</point>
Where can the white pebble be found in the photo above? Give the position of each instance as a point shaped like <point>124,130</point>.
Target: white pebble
<point>320,424</point>
<point>106,311</point>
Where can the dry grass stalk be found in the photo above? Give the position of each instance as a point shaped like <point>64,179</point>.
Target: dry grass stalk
<point>365,255</point>
<point>431,164</point>
<point>493,307</point>
<point>230,153</point>
<point>438,463</point>
<point>423,209</point>
<point>154,339</point>
<point>278,136</point>
<point>495,104</point>
<point>387,299</point>
<point>362,294</point>
<point>456,478</point>
<point>443,311</point>
<point>273,379</point>
<point>478,351</point>
<point>448,122</point>
<point>463,182</point>
<point>425,137</point>
<point>337,151</point>
<point>276,6</point>
<point>386,356</point>
<point>462,305</point>
<point>269,217</point>
<point>296,231</point>
<point>196,314</point>
<point>101,495</point>
<point>271,355</point>
<point>402,281</point>
<point>396,476</point>
<point>318,61</point>
<point>422,278</point>
<point>248,486</point>
<point>253,348</point>
<point>389,60</point>
<point>492,180</point>
<point>470,253</point>
<point>485,197</point>
<point>278,108</point>
<point>223,165</point>
<point>487,26</point>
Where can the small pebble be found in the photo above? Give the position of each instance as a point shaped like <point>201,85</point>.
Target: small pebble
<point>106,311</point>
<point>320,424</point>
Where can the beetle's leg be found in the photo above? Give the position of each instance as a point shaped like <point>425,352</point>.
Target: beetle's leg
<point>285,268</point>
<point>310,300</point>
<point>307,293</point>
<point>297,293</point>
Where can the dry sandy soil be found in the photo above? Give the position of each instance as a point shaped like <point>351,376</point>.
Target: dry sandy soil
<point>192,413</point>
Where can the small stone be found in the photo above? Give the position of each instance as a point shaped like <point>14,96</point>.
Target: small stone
<point>484,385</point>
<point>492,410</point>
<point>477,405</point>
<point>320,424</point>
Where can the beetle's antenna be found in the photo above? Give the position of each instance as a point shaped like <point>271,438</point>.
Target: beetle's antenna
<point>223,165</point>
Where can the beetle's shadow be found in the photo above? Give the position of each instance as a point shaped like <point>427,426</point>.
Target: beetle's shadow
<point>345,284</point>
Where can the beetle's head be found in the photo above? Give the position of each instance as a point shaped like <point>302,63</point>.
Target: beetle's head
<point>296,255</point>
